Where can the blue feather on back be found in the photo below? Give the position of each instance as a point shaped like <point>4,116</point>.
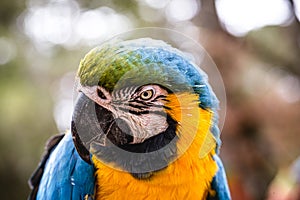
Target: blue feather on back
<point>66,175</point>
<point>219,183</point>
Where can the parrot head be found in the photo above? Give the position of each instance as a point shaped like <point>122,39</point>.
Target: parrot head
<point>138,106</point>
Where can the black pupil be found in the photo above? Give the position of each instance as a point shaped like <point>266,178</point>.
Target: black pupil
<point>146,94</point>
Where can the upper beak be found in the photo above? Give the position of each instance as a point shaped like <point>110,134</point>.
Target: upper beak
<point>97,94</point>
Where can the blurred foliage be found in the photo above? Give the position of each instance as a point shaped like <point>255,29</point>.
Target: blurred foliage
<point>277,46</point>
<point>260,70</point>
<point>9,10</point>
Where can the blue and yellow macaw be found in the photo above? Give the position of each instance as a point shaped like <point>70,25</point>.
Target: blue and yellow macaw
<point>144,127</point>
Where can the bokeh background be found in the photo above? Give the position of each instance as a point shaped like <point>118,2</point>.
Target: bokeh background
<point>255,44</point>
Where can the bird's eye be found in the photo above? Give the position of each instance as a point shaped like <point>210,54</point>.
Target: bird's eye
<point>147,94</point>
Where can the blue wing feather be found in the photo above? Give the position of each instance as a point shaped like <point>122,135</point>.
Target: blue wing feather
<point>219,183</point>
<point>66,175</point>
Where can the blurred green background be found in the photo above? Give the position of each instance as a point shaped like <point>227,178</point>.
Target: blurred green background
<point>255,44</point>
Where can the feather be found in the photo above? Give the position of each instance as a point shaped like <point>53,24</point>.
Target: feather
<point>38,173</point>
<point>219,183</point>
<point>65,175</point>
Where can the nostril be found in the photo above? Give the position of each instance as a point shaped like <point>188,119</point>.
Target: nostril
<point>101,94</point>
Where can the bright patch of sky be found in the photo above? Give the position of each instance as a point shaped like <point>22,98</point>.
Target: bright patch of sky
<point>178,10</point>
<point>242,16</point>
<point>297,6</point>
<point>64,23</point>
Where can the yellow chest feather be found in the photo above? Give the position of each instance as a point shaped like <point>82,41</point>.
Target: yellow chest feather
<point>183,179</point>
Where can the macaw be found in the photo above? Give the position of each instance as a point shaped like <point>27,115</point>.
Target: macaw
<point>144,126</point>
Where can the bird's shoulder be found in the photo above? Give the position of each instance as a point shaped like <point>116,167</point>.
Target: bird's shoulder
<point>59,174</point>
